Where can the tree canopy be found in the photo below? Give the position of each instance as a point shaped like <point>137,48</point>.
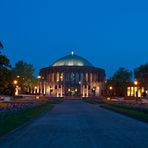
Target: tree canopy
<point>140,71</point>
<point>23,72</point>
<point>1,46</point>
<point>5,73</point>
<point>120,80</point>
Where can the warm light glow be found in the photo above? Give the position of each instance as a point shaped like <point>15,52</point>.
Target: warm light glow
<point>16,90</point>
<point>142,89</point>
<point>39,77</point>
<point>110,87</point>
<point>68,89</point>
<point>136,82</point>
<point>61,77</point>
<point>18,76</point>
<point>15,82</point>
<point>108,99</point>
<point>128,91</point>
<point>37,97</point>
<point>35,87</point>
<point>132,91</point>
<point>76,90</point>
<point>135,91</point>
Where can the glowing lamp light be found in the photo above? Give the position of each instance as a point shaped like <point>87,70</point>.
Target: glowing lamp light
<point>108,99</point>
<point>39,77</point>
<point>15,82</point>
<point>37,97</point>
<point>136,82</point>
<point>16,90</point>
<point>110,87</point>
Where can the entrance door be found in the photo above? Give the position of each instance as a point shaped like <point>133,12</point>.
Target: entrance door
<point>73,91</point>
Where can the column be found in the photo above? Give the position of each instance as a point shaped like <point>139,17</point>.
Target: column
<point>87,91</point>
<point>41,88</point>
<point>44,91</point>
<point>57,90</point>
<point>83,91</point>
<point>61,91</point>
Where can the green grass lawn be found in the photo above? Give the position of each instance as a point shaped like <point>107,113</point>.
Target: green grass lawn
<point>136,113</point>
<point>12,119</point>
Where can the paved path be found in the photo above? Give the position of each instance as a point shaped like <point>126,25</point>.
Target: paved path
<point>75,124</point>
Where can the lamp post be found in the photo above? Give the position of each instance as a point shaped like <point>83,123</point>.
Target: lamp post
<point>94,91</point>
<point>111,91</point>
<point>136,84</point>
<point>39,88</point>
<point>81,88</point>
<point>15,82</point>
<point>35,89</point>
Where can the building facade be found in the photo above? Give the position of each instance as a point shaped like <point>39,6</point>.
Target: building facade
<point>71,75</point>
<point>139,88</point>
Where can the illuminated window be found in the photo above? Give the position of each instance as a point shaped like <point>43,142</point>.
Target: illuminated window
<point>135,91</point>
<point>61,77</point>
<point>128,91</point>
<point>57,77</point>
<point>132,91</point>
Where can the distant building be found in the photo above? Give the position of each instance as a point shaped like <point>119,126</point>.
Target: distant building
<point>71,75</point>
<point>145,82</point>
<point>139,88</point>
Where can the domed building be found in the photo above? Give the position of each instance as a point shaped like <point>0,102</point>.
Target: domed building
<point>71,75</point>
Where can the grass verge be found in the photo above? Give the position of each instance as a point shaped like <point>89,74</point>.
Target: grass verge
<point>136,113</point>
<point>13,119</point>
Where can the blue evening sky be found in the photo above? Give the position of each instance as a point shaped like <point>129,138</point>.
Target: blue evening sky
<point>109,33</point>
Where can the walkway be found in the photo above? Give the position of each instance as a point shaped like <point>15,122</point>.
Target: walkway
<point>76,124</point>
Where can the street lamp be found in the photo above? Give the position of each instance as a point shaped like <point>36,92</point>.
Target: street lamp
<point>15,82</point>
<point>110,88</point>
<point>136,82</point>
<point>39,77</point>
<point>18,76</point>
<point>35,89</point>
<point>137,88</point>
<point>94,91</point>
<point>39,85</point>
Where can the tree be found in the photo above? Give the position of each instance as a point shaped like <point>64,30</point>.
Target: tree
<point>23,72</point>
<point>5,74</point>
<point>120,80</point>
<point>140,71</point>
<point>1,46</point>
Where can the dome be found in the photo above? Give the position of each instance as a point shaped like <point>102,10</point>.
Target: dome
<point>72,60</point>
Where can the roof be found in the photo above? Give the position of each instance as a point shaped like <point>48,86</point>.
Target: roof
<point>72,60</point>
